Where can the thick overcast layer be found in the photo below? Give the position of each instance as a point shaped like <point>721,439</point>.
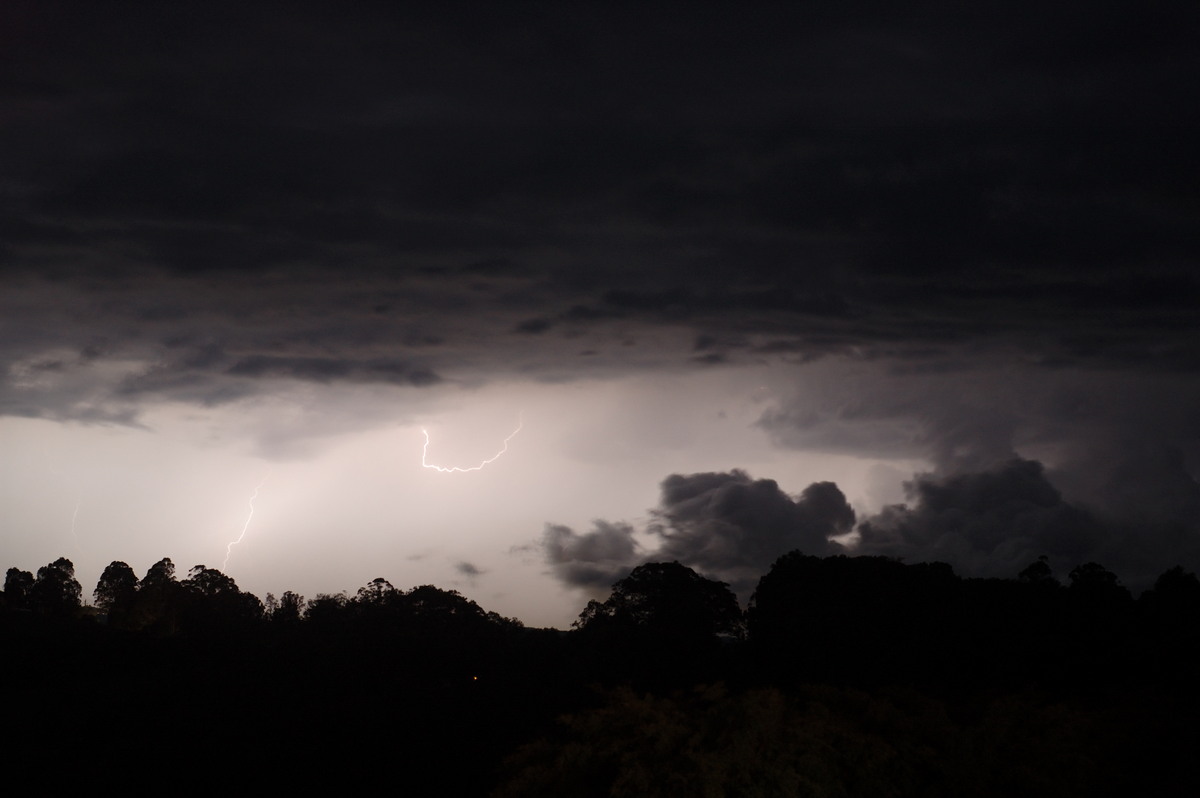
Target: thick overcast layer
<point>780,261</point>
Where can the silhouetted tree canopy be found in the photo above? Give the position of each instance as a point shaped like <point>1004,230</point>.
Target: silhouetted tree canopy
<point>1094,579</point>
<point>325,607</point>
<point>55,591</point>
<point>161,573</point>
<point>859,676</point>
<point>159,600</point>
<point>1175,592</point>
<point>1171,611</point>
<point>209,582</point>
<point>667,598</point>
<point>661,624</point>
<point>287,610</point>
<point>840,616</point>
<point>379,592</point>
<point>1099,601</point>
<point>434,604</point>
<point>116,588</point>
<point>213,601</point>
<point>17,584</point>
<point>1039,572</point>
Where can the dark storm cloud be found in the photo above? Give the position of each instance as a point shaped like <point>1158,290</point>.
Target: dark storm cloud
<point>734,527</point>
<point>1119,486</point>
<point>971,413</point>
<point>592,560</point>
<point>995,522</point>
<point>968,233</point>
<point>534,326</point>
<point>987,523</point>
<point>966,236</point>
<point>1135,481</point>
<point>990,523</point>
<point>1144,491</point>
<point>814,178</point>
<point>684,303</point>
<point>726,525</point>
<point>327,370</point>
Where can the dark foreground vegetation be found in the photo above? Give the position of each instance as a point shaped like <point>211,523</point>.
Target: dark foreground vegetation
<point>845,677</point>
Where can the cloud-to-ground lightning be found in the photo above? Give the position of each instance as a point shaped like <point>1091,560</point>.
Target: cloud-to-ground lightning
<point>245,526</point>
<point>74,518</point>
<point>459,470</point>
<point>78,504</point>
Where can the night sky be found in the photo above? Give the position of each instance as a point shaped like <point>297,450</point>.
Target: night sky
<point>843,277</point>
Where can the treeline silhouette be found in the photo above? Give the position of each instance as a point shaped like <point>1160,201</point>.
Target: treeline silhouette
<point>844,676</point>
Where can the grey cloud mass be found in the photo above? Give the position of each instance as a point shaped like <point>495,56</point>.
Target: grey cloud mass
<point>594,559</point>
<point>733,526</point>
<point>993,523</point>
<point>960,236</point>
<point>323,192</point>
<point>726,525</point>
<point>990,523</point>
<point>469,570</point>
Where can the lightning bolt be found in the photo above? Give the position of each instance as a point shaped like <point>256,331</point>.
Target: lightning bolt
<point>78,504</point>
<point>456,469</point>
<point>245,526</point>
<point>74,518</point>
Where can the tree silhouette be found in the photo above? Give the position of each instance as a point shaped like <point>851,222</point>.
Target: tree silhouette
<point>159,599</point>
<point>838,617</point>
<point>326,608</point>
<point>862,675</point>
<point>378,595</point>
<point>56,591</point>
<point>161,573</point>
<point>1176,594</point>
<point>1038,572</point>
<point>17,584</point>
<point>287,610</point>
<point>663,624</point>
<point>434,604</point>
<point>116,589</point>
<point>1171,613</point>
<point>667,598</point>
<point>209,582</point>
<point>1096,580</point>
<point>213,604</point>
<point>1099,601</point>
